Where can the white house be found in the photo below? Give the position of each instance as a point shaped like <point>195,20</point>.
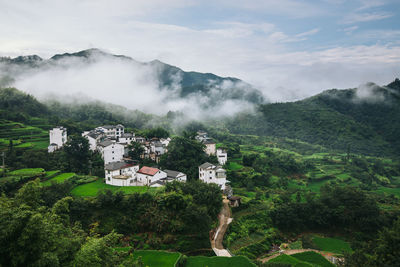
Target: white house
<point>210,146</point>
<point>222,156</point>
<point>165,142</point>
<point>126,138</point>
<point>175,176</point>
<point>94,137</point>
<point>111,151</point>
<point>121,173</point>
<point>148,175</point>
<point>201,136</point>
<point>58,137</point>
<point>209,173</point>
<point>112,131</point>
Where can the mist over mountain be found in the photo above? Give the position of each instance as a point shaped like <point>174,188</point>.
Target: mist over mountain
<point>153,87</point>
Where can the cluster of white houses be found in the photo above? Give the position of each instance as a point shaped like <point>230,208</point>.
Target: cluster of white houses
<point>211,149</point>
<point>112,142</point>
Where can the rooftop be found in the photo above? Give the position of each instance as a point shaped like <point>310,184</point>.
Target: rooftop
<point>148,170</point>
<point>173,174</point>
<point>118,165</point>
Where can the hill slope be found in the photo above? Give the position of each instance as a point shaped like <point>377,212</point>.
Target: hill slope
<point>363,120</point>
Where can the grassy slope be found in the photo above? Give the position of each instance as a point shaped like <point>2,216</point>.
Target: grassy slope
<point>59,178</point>
<point>201,261</point>
<point>313,258</point>
<point>91,189</point>
<point>23,136</point>
<point>332,244</point>
<point>154,258</point>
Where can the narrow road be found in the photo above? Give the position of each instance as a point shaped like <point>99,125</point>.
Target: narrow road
<point>224,219</point>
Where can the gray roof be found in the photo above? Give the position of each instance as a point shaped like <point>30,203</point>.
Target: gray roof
<point>206,165</point>
<point>127,135</point>
<point>117,165</point>
<point>173,174</point>
<point>106,143</point>
<point>157,182</point>
<point>208,141</point>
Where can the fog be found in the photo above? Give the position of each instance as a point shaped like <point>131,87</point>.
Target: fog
<point>125,82</point>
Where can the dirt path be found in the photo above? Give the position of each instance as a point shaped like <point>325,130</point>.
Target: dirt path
<point>224,219</point>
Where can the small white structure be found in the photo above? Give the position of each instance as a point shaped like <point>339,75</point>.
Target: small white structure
<point>210,146</point>
<point>165,142</point>
<point>121,173</point>
<point>111,151</point>
<point>58,137</point>
<point>222,155</point>
<point>210,173</point>
<point>148,175</point>
<point>112,131</point>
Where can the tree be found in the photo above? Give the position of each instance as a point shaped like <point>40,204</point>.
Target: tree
<point>184,155</point>
<point>136,150</point>
<point>77,154</point>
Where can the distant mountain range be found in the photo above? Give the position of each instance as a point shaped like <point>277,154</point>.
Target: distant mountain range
<point>169,77</point>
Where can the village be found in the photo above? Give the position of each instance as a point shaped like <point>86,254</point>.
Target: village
<point>113,144</point>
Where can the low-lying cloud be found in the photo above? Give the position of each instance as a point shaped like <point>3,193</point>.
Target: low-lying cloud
<point>125,82</point>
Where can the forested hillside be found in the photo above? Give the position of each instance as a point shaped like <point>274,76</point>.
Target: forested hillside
<point>337,119</point>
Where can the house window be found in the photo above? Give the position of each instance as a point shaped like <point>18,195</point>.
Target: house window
<point>109,178</point>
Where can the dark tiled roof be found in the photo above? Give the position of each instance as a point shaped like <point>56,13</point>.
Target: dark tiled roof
<point>206,165</point>
<point>118,165</point>
<point>173,174</point>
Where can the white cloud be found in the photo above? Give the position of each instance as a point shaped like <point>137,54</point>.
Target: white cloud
<point>365,17</point>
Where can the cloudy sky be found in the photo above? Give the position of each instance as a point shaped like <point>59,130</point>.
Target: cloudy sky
<point>289,49</point>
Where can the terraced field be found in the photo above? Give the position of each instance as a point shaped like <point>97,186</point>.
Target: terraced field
<point>23,136</point>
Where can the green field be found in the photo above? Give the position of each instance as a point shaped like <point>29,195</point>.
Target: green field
<point>23,136</point>
<point>331,244</point>
<point>305,259</point>
<point>31,172</point>
<point>154,258</point>
<point>91,189</point>
<point>202,261</point>
<point>313,258</point>
<point>234,166</point>
<point>59,178</point>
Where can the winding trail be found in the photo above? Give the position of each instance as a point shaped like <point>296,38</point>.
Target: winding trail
<point>224,219</point>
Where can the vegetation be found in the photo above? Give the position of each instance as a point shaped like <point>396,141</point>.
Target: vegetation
<point>200,261</point>
<point>309,258</point>
<point>93,188</point>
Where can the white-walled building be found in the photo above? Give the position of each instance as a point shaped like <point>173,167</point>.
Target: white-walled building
<point>126,138</point>
<point>121,173</point>
<point>148,175</point>
<point>94,137</point>
<point>210,173</point>
<point>210,147</point>
<point>222,156</point>
<point>112,131</point>
<point>58,137</point>
<point>175,176</point>
<point>111,151</point>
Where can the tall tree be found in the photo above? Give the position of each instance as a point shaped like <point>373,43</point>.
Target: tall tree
<point>78,154</point>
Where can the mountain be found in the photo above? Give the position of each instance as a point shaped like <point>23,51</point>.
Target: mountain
<point>363,120</point>
<point>189,84</point>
